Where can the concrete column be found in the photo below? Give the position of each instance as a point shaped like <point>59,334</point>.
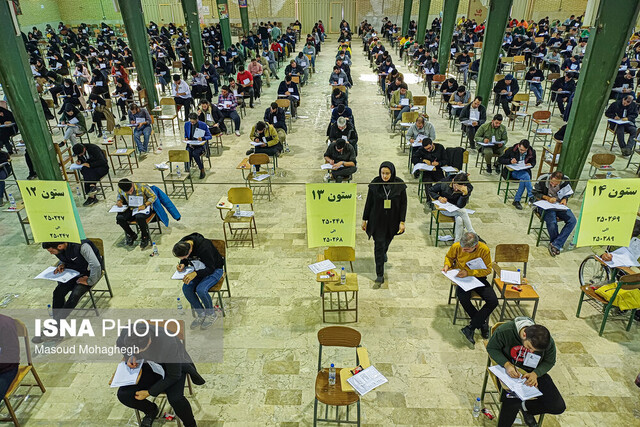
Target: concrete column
<point>613,26</point>
<point>244,16</point>
<point>423,16</point>
<point>590,13</point>
<point>20,89</point>
<point>192,21</point>
<point>134,23</point>
<point>449,13</point>
<point>223,14</point>
<point>497,17</point>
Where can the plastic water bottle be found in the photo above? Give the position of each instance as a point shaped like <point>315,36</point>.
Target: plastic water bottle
<point>12,201</point>
<point>608,175</point>
<point>332,375</point>
<point>155,250</point>
<point>104,138</point>
<point>50,310</point>
<point>343,277</point>
<point>253,170</point>
<point>519,274</point>
<point>178,173</point>
<point>476,408</point>
<point>78,192</point>
<point>180,307</point>
<point>237,210</point>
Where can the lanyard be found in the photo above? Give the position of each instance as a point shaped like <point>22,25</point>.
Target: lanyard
<point>386,192</point>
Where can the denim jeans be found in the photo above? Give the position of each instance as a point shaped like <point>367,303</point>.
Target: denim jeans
<point>146,131</point>
<point>551,218</point>
<point>197,292</point>
<point>525,182</point>
<point>536,88</point>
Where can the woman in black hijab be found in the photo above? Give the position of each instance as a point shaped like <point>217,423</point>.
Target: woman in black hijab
<point>384,213</point>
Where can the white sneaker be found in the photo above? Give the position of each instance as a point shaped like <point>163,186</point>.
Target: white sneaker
<point>237,133</point>
<point>327,177</point>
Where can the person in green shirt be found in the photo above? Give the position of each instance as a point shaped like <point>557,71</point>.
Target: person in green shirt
<point>493,132</point>
<point>522,344</point>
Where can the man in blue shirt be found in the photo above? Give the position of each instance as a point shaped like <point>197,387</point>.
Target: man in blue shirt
<point>196,135</point>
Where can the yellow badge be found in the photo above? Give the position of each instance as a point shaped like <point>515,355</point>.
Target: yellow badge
<point>387,204</point>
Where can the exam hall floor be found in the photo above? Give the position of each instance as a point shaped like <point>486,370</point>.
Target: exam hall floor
<point>270,358</point>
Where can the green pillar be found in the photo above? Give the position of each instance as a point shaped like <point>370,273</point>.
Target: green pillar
<point>134,23</point>
<point>192,20</point>
<point>497,16</point>
<point>423,14</point>
<point>449,12</point>
<point>244,16</point>
<point>597,73</point>
<point>20,89</point>
<point>223,14</point>
<point>406,16</point>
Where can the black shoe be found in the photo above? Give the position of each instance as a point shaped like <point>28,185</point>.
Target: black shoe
<point>484,330</point>
<point>489,171</point>
<point>61,144</point>
<point>467,331</point>
<point>99,134</point>
<point>249,152</point>
<point>379,279</point>
<point>88,202</point>
<point>385,258</point>
<point>92,128</point>
<point>626,152</point>
<point>144,242</point>
<point>94,200</point>
<point>517,205</point>
<point>201,173</point>
<point>528,419</point>
<point>148,419</point>
<point>130,239</point>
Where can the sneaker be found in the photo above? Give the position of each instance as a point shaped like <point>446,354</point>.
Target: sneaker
<point>484,330</point>
<point>528,419</point>
<point>148,419</point>
<point>517,205</point>
<point>237,133</point>
<point>88,201</point>
<point>531,201</point>
<point>626,152</point>
<point>144,242</point>
<point>202,174</point>
<point>489,171</point>
<point>130,239</point>
<point>249,151</point>
<point>197,322</point>
<point>208,321</point>
<point>327,177</point>
<point>538,102</point>
<point>467,331</point>
<point>380,279</point>
<point>99,134</point>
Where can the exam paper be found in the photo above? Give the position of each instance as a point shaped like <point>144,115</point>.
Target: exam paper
<point>145,211</point>
<point>516,385</point>
<point>476,264</point>
<point>322,266</point>
<point>565,192</point>
<point>116,208</point>
<point>66,275</point>
<point>448,169</point>
<point>75,166</point>
<point>136,200</point>
<point>261,177</point>
<point>449,207</point>
<point>520,166</point>
<point>366,380</point>
<point>622,257</point>
<point>125,375</point>
<point>508,276</point>
<point>422,167</point>
<point>466,283</point>
<point>326,166</point>
<point>179,275</point>
<point>198,133</point>
<point>543,204</point>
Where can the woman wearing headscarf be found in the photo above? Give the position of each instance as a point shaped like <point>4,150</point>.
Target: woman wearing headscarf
<point>75,124</point>
<point>384,213</point>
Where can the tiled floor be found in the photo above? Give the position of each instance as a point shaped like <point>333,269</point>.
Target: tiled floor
<point>270,358</point>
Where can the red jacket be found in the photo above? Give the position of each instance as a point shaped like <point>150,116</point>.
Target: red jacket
<point>244,76</point>
<point>276,47</point>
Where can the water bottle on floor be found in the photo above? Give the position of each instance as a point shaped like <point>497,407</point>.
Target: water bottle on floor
<point>78,192</point>
<point>476,408</point>
<point>12,201</point>
<point>155,250</point>
<point>50,310</point>
<point>180,308</point>
<point>332,375</point>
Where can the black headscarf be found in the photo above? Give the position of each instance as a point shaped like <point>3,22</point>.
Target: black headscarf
<point>393,187</point>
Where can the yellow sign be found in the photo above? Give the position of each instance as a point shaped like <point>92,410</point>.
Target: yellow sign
<point>331,215</point>
<point>609,211</point>
<point>52,212</point>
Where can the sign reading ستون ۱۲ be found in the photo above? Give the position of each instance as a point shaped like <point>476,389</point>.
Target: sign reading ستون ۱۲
<point>51,210</point>
<point>331,214</point>
<point>609,212</point>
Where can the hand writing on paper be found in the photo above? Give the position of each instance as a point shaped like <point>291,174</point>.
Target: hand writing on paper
<point>514,161</point>
<point>462,273</point>
<point>445,268</point>
<point>132,363</point>
<point>532,379</point>
<point>511,370</point>
<point>59,269</point>
<point>180,268</point>
<point>142,207</point>
<point>606,256</point>
<point>442,199</point>
<point>119,203</point>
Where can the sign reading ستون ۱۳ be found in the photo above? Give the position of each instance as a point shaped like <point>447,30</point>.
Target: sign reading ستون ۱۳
<point>609,212</point>
<point>51,210</point>
<point>331,214</point>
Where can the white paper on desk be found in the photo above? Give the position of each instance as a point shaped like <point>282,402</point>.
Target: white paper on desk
<point>619,122</point>
<point>156,367</point>
<point>121,151</point>
<point>516,385</point>
<point>195,142</point>
<point>466,283</point>
<point>485,144</point>
<point>322,266</point>
<point>419,138</point>
<point>179,275</point>
<point>74,121</point>
<point>198,133</point>
<point>116,208</point>
<point>75,167</point>
<point>261,177</point>
<point>520,166</point>
<point>66,275</point>
<point>140,120</point>
<point>256,144</point>
<point>448,169</point>
<point>416,144</point>
<point>634,247</point>
<point>476,264</point>
<point>422,167</point>
<point>366,380</point>
<point>162,166</point>
<point>136,200</point>
<point>145,211</point>
<point>508,276</point>
<point>125,375</point>
<point>565,192</point>
<point>449,207</point>
<point>243,214</point>
<point>404,101</point>
<point>543,204</point>
<point>326,166</point>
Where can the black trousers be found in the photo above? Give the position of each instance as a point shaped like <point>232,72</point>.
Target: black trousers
<point>343,172</point>
<point>175,396</point>
<point>91,176</point>
<point>505,103</point>
<point>63,307</point>
<point>551,402</point>
<point>380,247</point>
<point>195,153</point>
<point>123,218</point>
<point>27,159</point>
<point>478,317</point>
<point>186,103</point>
<point>97,117</point>
<point>257,85</point>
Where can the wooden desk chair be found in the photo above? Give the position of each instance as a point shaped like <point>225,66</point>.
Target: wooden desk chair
<point>542,235</point>
<point>125,153</point>
<point>332,395</point>
<point>260,159</point>
<point>176,67</point>
<point>627,282</point>
<point>96,294</point>
<point>153,222</point>
<point>505,181</point>
<point>551,77</point>
<point>421,101</point>
<point>507,62</point>
<point>23,370</point>
<point>168,117</point>
<point>441,220</point>
<point>177,157</point>
<point>121,133</point>
<point>215,142</point>
<point>217,288</point>
<point>519,68</point>
<point>601,162</point>
<point>331,288</point>
<point>436,82</point>
<point>519,109</point>
<point>340,254</point>
<point>285,104</point>
<point>550,157</point>
<point>540,118</point>
<point>296,80</point>
<point>518,253</point>
<point>636,150</point>
<point>610,131</point>
<point>238,196</point>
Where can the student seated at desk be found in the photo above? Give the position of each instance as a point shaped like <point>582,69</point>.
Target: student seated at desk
<point>534,77</point>
<point>338,97</point>
<point>345,130</point>
<point>493,132</point>
<point>159,346</point>
<point>564,84</point>
<point>100,112</point>
<point>82,257</point>
<point>431,154</point>
<point>135,196</point>
<point>181,94</point>
<point>460,99</point>
<point>267,136</point>
<point>201,255</point>
<point>342,111</point>
<point>456,190</point>
<point>468,255</point>
<point>7,118</point>
<point>474,114</point>
<point>522,152</point>
<point>192,126</point>
<point>94,167</point>
<point>520,343</point>
<point>140,117</point>
<point>338,77</point>
<point>75,124</point>
<point>289,90</point>
<point>420,127</point>
<point>199,87</point>
<point>624,109</point>
<point>547,188</point>
<point>342,157</point>
<point>211,115</point>
<point>401,102</point>
<point>227,104</point>
<point>275,116</point>
<point>505,90</point>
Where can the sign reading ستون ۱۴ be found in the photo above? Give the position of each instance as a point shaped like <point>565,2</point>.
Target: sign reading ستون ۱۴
<point>609,212</point>
<point>51,210</point>
<point>331,214</point>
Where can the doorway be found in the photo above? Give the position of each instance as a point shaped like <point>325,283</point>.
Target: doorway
<point>165,13</point>
<point>337,14</point>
